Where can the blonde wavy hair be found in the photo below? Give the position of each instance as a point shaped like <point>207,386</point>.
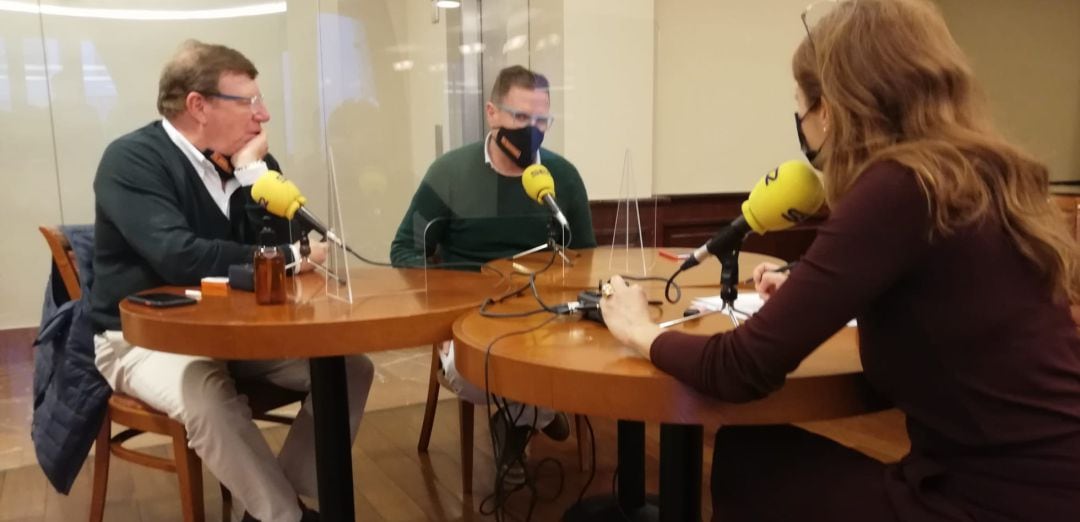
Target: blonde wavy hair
<point>898,88</point>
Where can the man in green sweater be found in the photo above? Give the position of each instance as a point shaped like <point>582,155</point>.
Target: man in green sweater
<point>471,207</point>
<point>173,205</point>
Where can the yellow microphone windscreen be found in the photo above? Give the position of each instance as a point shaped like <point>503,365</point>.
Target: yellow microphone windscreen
<point>538,182</point>
<point>784,197</point>
<point>277,195</point>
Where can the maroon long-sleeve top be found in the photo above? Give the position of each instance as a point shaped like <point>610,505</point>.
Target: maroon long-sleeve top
<point>960,332</point>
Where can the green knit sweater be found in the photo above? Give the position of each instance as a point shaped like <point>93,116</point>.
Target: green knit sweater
<point>466,211</point>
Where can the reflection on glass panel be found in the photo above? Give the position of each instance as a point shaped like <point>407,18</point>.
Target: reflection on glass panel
<point>37,87</point>
<point>26,161</point>
<point>105,59</point>
<point>382,66</point>
<point>348,74</point>
<point>5,78</point>
<point>367,80</point>
<point>289,114</point>
<point>99,91</point>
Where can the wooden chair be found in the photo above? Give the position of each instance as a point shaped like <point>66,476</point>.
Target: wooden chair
<point>140,418</point>
<point>466,411</point>
<point>1070,212</point>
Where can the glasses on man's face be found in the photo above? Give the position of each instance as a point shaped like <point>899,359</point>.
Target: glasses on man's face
<point>540,121</point>
<point>815,13</point>
<point>255,102</point>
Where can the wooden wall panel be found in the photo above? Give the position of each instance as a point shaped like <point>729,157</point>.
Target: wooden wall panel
<point>689,221</point>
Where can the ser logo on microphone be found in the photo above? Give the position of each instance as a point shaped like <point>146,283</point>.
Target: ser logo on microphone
<point>794,215</point>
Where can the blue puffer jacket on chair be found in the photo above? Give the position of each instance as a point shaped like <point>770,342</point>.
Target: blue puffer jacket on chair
<point>70,395</point>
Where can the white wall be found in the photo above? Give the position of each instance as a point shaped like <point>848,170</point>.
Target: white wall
<point>608,68</point>
<point>724,92</point>
<point>1027,57</point>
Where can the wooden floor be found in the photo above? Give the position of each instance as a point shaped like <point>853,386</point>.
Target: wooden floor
<point>392,481</point>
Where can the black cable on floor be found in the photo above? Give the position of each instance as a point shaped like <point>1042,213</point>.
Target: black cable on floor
<point>499,497</point>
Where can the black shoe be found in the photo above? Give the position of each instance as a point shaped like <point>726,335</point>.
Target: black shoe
<point>310,515</point>
<point>558,429</point>
<point>510,441</point>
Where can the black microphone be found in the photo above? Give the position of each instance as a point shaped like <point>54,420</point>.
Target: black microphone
<point>311,222</point>
<point>724,241</point>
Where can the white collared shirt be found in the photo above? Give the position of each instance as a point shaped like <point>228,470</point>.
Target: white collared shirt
<point>209,175</point>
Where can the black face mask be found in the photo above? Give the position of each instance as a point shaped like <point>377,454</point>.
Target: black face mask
<point>810,154</point>
<point>521,145</point>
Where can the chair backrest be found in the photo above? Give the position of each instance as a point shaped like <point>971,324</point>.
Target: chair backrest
<point>1070,211</point>
<point>64,259</point>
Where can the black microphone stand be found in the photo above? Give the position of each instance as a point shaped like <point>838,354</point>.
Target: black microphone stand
<point>554,229</point>
<point>305,256</point>
<point>729,281</point>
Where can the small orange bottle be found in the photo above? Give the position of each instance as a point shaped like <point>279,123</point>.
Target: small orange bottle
<point>269,269</point>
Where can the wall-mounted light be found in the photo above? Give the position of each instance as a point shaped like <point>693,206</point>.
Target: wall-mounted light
<point>442,4</point>
<point>144,14</point>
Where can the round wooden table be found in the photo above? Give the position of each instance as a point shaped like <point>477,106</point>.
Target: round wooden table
<point>575,365</point>
<point>551,366</point>
<point>587,267</point>
<point>392,308</point>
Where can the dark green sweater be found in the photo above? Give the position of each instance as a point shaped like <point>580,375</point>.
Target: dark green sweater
<point>155,224</point>
<point>474,214</point>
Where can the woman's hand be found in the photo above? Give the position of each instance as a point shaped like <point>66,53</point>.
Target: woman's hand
<point>626,313</point>
<point>767,280</point>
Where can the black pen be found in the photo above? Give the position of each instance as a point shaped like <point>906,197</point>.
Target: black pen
<point>778,270</point>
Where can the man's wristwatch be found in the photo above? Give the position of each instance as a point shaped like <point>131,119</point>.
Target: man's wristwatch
<point>248,173</point>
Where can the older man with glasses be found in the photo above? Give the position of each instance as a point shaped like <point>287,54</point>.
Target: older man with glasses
<point>173,205</point>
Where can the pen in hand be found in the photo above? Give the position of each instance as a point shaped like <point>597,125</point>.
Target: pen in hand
<point>779,269</point>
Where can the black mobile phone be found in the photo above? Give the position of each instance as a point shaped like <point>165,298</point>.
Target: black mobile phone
<point>161,300</point>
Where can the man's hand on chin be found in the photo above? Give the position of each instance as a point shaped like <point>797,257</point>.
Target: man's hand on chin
<point>252,151</point>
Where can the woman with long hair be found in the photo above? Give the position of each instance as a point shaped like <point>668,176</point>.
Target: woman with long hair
<point>943,242</point>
